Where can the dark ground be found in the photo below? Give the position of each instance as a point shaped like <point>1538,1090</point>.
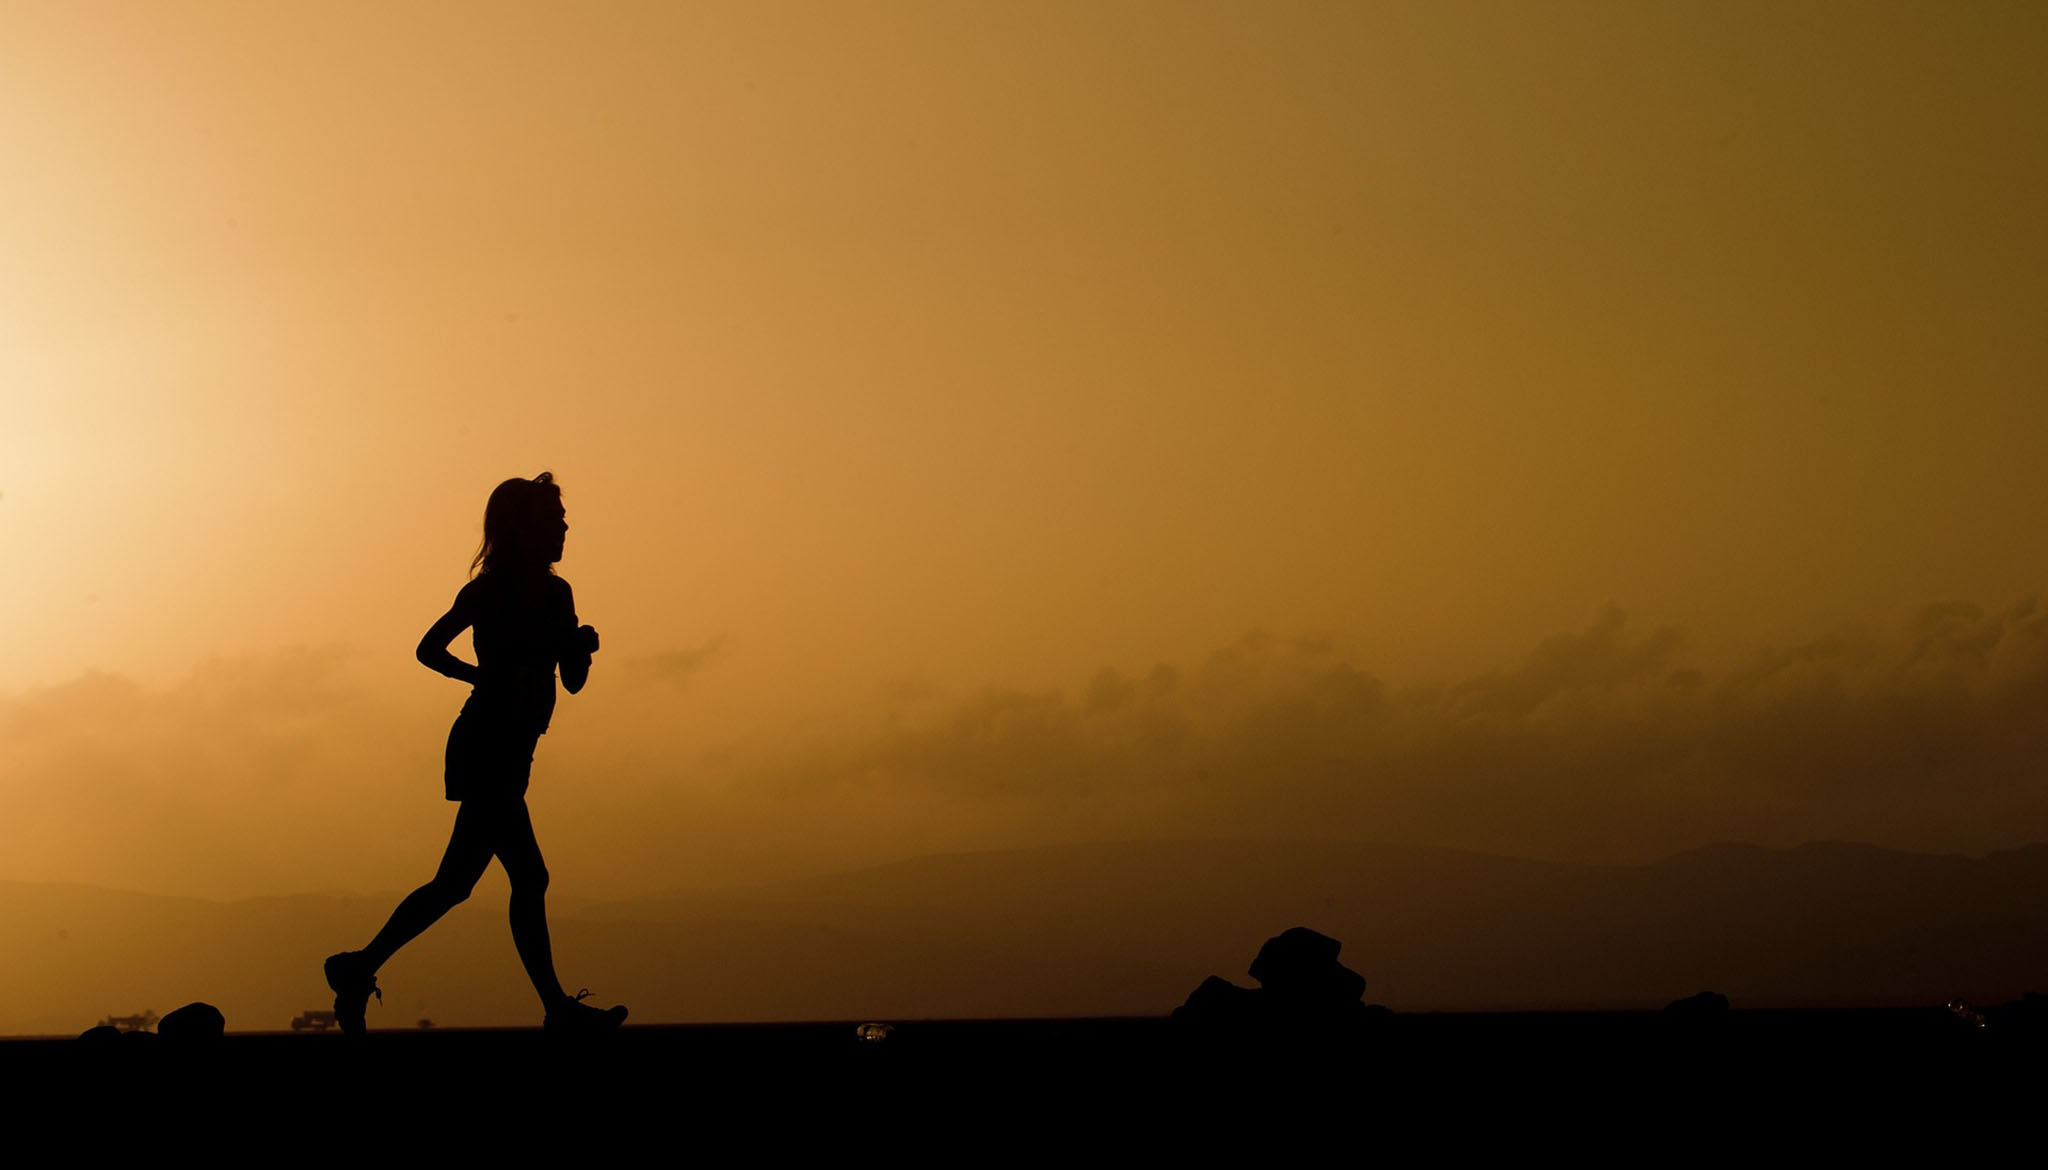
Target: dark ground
<point>1621,1084</point>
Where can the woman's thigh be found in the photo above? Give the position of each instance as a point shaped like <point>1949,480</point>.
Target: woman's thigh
<point>470,848</point>
<point>512,840</point>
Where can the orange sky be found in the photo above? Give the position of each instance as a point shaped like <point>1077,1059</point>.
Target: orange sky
<point>891,352</point>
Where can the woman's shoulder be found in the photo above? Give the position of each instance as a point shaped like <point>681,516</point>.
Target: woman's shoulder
<point>495,591</point>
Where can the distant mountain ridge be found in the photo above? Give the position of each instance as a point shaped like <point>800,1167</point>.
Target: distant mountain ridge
<point>1106,929</point>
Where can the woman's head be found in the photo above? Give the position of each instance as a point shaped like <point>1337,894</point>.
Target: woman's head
<point>524,526</point>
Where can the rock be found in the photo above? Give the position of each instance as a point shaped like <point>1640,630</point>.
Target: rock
<point>193,1022</point>
<point>1299,969</point>
<point>1293,954</point>
<point>1220,1002</point>
<point>100,1034</point>
<point>1707,1005</point>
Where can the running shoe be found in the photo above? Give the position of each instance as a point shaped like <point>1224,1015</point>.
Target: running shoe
<point>573,1015</point>
<point>354,983</point>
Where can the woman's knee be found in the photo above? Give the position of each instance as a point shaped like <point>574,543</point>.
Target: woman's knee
<point>449,890</point>
<point>530,880</point>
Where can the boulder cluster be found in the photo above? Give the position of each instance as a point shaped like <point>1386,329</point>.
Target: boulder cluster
<point>193,1023</point>
<point>1303,993</point>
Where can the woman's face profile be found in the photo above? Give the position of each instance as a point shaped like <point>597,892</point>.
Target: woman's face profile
<point>558,528</point>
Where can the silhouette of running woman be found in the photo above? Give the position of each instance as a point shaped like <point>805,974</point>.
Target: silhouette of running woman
<point>525,622</point>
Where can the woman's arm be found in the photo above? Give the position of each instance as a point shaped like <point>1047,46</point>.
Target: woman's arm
<point>433,650</point>
<point>579,643</point>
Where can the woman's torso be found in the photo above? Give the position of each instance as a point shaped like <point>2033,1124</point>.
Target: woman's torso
<point>518,627</point>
